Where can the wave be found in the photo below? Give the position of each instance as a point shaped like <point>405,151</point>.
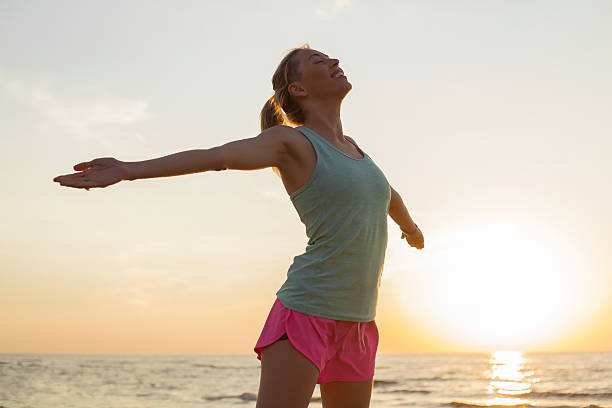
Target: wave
<point>166,387</point>
<point>246,396</point>
<point>378,383</point>
<point>408,391</point>
<point>560,394</point>
<point>459,404</point>
<point>389,382</point>
<point>218,366</point>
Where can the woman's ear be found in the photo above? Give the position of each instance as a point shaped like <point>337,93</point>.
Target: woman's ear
<point>296,89</point>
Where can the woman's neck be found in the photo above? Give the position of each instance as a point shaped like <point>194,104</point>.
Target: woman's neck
<point>326,122</point>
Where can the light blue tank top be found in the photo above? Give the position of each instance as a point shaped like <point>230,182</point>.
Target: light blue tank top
<point>344,206</point>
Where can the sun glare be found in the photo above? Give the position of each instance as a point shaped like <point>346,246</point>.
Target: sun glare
<point>499,285</point>
<point>510,377</point>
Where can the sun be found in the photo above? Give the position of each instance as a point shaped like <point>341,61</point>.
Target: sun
<point>493,285</point>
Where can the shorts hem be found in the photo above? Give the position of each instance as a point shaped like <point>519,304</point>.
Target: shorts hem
<point>304,354</point>
<point>259,349</point>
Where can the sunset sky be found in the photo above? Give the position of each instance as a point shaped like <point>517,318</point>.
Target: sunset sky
<point>492,119</point>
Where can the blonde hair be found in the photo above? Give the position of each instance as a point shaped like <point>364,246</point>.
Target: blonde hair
<point>281,108</point>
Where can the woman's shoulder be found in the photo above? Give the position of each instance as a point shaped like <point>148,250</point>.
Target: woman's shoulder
<point>289,134</point>
<point>295,142</point>
<point>283,131</point>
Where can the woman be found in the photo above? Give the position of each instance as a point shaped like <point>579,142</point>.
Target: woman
<point>321,328</point>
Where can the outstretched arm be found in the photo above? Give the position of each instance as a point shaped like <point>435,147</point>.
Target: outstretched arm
<point>399,214</point>
<point>268,149</point>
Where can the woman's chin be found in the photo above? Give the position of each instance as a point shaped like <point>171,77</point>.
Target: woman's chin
<point>348,87</point>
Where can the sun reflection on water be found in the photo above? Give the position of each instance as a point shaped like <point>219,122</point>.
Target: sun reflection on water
<point>510,377</point>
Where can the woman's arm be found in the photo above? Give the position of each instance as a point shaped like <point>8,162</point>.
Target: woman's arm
<point>399,214</point>
<point>268,149</point>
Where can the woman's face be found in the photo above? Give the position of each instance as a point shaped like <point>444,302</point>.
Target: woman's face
<point>321,76</point>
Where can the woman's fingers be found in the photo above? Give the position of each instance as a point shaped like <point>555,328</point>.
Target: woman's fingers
<point>78,180</point>
<point>69,177</point>
<point>79,174</point>
<point>84,165</point>
<point>75,183</point>
<point>62,178</point>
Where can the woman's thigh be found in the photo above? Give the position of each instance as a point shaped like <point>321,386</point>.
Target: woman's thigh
<point>288,378</point>
<point>345,394</point>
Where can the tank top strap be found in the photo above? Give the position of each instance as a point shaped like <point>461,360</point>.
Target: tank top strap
<point>323,148</point>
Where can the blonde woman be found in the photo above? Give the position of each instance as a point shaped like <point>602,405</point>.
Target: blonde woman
<point>321,328</point>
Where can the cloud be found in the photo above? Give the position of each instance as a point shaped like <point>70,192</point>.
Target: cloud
<point>327,12</point>
<point>83,112</point>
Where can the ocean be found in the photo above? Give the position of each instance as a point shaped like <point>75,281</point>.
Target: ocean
<point>503,378</point>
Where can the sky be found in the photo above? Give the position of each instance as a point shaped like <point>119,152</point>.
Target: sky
<point>490,118</point>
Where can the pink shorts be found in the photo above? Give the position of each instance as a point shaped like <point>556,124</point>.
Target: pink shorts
<point>342,350</point>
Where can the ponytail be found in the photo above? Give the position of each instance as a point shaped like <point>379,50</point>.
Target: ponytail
<point>271,114</point>
<point>281,108</point>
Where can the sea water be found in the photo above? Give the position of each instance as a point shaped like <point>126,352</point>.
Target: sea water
<point>503,378</point>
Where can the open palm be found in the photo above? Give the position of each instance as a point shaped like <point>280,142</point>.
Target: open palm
<point>101,172</point>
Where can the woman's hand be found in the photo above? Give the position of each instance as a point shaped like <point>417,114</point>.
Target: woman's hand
<point>415,239</point>
<point>101,172</point>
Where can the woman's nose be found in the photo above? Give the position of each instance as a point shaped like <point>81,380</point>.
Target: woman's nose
<point>334,62</point>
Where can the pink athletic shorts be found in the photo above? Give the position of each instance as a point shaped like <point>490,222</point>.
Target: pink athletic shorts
<point>342,350</point>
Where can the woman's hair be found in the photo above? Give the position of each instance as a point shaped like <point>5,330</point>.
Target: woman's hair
<point>281,108</point>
